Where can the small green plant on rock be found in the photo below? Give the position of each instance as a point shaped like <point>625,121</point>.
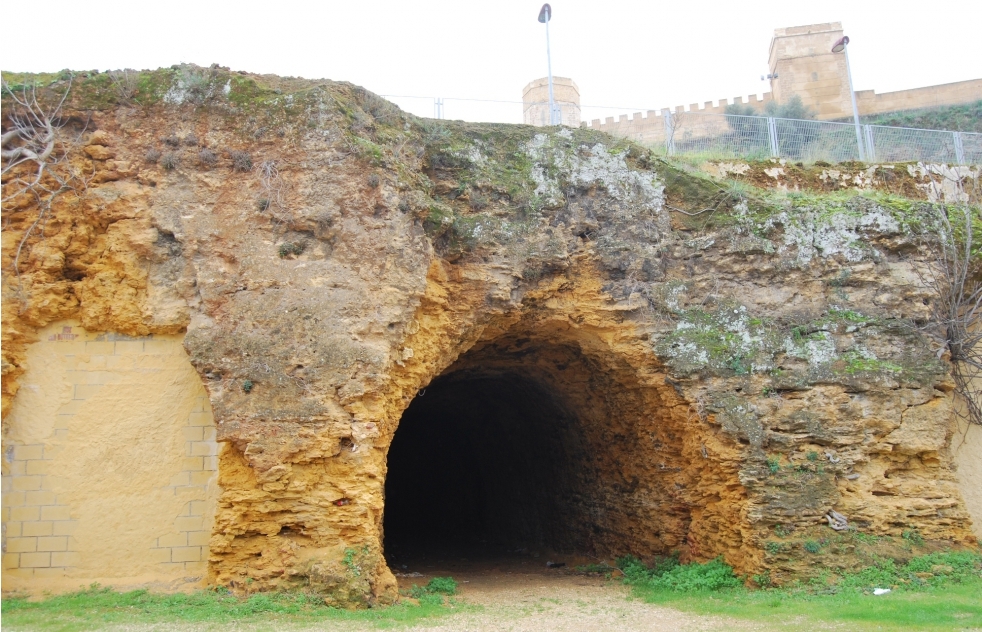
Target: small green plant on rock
<point>913,537</point>
<point>291,248</point>
<point>247,386</point>
<point>812,546</point>
<point>351,560</point>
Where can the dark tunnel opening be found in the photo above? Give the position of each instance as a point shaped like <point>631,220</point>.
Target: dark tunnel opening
<point>485,463</point>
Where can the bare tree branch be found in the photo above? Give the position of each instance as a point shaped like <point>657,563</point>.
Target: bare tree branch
<point>953,274</point>
<point>35,135</point>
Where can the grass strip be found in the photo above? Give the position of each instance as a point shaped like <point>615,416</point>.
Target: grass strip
<point>99,607</point>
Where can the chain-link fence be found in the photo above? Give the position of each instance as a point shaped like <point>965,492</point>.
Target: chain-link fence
<point>751,137</point>
<point>732,136</point>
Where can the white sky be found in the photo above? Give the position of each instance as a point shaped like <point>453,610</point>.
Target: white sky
<point>633,55</point>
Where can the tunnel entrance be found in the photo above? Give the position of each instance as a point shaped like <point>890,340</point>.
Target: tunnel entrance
<point>484,462</point>
<point>529,445</point>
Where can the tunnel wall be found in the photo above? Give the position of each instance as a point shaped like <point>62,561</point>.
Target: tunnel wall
<point>110,464</point>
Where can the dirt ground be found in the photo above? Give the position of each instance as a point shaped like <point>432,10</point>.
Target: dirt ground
<point>548,601</point>
<point>519,593</point>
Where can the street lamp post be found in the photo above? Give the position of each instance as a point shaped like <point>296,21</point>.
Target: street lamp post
<point>842,46</point>
<point>545,14</point>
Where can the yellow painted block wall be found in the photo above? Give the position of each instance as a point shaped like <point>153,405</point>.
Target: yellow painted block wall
<point>109,464</point>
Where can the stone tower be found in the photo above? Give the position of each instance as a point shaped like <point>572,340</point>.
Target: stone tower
<point>535,101</point>
<point>802,59</point>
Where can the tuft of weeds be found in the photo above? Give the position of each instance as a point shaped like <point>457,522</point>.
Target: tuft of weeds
<point>152,156</point>
<point>292,248</point>
<point>913,537</point>
<point>669,574</point>
<point>207,158</point>
<point>170,161</point>
<point>241,161</point>
<point>434,591</point>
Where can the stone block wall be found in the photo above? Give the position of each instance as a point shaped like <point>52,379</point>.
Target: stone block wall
<point>110,463</point>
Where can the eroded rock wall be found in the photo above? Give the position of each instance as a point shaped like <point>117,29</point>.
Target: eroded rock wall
<point>330,256</point>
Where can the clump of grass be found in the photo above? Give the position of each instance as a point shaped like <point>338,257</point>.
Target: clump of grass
<point>172,140</point>
<point>191,140</point>
<point>434,591</point>
<point>912,536</point>
<point>374,181</point>
<point>152,156</point>
<point>241,161</point>
<point>247,386</point>
<point>170,161</point>
<point>812,546</point>
<point>262,204</point>
<point>773,465</point>
<point>478,201</point>
<point>669,574</point>
<point>207,157</point>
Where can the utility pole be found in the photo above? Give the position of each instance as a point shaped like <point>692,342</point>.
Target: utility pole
<point>545,14</point>
<point>842,46</point>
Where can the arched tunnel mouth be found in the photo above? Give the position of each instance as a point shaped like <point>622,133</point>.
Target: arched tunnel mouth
<point>523,449</point>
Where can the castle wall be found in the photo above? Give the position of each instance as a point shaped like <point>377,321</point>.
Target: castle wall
<point>956,93</point>
<point>805,66</point>
<point>651,127</point>
<point>110,464</point>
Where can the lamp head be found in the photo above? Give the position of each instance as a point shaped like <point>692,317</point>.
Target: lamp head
<point>840,45</point>
<point>545,13</point>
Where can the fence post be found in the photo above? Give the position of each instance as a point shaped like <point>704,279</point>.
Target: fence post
<point>959,149</point>
<point>669,133</point>
<point>772,134</point>
<point>870,147</point>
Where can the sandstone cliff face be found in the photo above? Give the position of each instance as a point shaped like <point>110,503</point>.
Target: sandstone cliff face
<point>725,378</point>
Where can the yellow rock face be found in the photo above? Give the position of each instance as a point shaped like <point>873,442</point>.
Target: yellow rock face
<point>633,382</point>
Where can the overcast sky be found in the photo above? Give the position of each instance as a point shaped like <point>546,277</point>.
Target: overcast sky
<point>632,55</point>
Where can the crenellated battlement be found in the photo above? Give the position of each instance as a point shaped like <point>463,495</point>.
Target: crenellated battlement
<point>625,124</point>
